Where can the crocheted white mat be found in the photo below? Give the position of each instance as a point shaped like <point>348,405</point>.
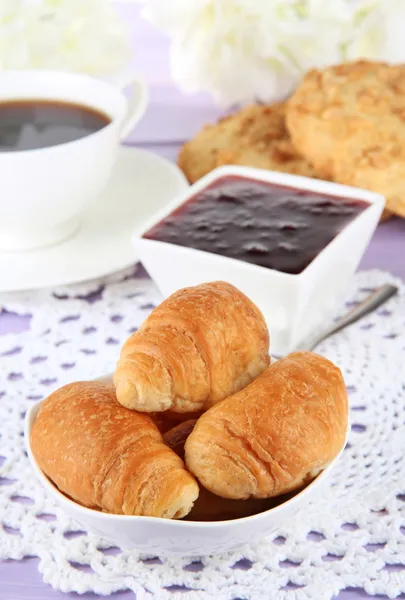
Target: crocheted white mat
<point>347,539</point>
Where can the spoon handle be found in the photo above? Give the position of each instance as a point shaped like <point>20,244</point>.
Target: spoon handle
<point>371,303</point>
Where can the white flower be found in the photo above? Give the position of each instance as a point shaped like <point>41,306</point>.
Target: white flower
<point>74,35</point>
<point>244,50</point>
<point>381,33</point>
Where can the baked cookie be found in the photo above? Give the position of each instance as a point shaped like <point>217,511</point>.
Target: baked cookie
<point>386,215</point>
<point>256,136</point>
<point>349,123</point>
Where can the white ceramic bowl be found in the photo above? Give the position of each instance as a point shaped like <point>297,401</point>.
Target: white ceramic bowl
<point>163,537</point>
<point>293,305</point>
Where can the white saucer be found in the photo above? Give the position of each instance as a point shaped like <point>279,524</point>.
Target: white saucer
<point>142,183</point>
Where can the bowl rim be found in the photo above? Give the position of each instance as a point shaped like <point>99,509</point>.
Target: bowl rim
<point>30,417</point>
<point>376,202</point>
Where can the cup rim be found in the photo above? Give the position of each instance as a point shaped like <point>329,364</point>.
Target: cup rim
<point>84,511</point>
<point>34,74</point>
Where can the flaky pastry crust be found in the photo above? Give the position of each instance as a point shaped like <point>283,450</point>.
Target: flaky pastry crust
<point>208,506</point>
<point>276,434</point>
<point>199,346</point>
<point>107,457</point>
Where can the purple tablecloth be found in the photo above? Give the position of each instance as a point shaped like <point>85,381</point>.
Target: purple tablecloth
<point>170,119</point>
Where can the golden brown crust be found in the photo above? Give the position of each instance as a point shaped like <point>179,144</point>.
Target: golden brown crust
<point>107,457</point>
<point>268,439</point>
<point>164,421</point>
<point>208,506</point>
<point>199,346</point>
<point>255,136</point>
<point>376,161</point>
<point>349,122</point>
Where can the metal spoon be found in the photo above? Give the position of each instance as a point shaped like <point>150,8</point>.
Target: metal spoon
<point>371,303</point>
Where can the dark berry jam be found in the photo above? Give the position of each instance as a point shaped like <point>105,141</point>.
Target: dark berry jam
<point>272,226</point>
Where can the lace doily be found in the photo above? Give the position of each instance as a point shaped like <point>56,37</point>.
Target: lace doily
<point>354,536</point>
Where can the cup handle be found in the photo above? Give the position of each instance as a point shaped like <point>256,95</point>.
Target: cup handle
<point>137,101</point>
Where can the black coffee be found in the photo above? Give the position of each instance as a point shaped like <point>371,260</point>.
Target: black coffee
<point>32,124</point>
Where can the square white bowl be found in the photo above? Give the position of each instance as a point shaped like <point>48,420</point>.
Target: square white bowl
<point>294,306</point>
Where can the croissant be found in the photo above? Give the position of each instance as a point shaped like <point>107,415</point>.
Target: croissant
<point>276,434</point>
<point>199,346</point>
<point>165,421</point>
<point>107,457</point>
<point>208,506</point>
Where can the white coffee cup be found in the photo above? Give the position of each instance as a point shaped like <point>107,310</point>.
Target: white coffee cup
<point>43,192</point>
